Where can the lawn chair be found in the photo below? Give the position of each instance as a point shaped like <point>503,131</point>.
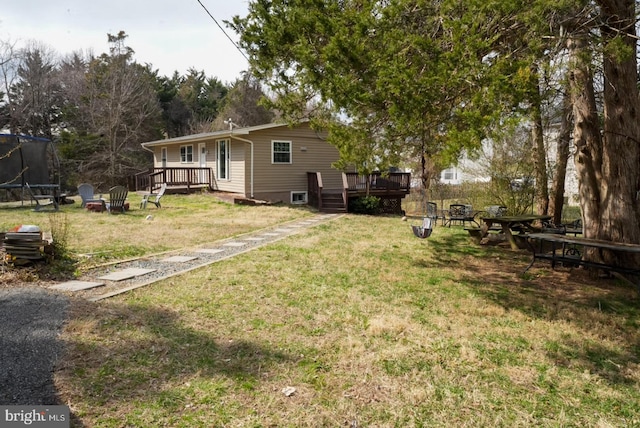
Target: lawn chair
<point>86,193</point>
<point>145,198</point>
<point>432,212</point>
<point>496,210</point>
<point>423,231</point>
<point>462,214</point>
<point>42,201</point>
<point>574,228</point>
<point>117,199</point>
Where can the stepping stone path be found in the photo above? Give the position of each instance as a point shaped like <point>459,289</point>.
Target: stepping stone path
<point>76,285</point>
<point>118,278</point>
<point>178,259</point>
<point>128,273</point>
<point>209,250</point>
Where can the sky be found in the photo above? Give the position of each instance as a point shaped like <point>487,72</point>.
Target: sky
<point>168,34</point>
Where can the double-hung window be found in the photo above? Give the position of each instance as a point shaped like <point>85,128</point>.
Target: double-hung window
<point>281,152</point>
<point>186,154</point>
<point>450,174</point>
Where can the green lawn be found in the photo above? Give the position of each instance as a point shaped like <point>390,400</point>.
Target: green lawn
<point>370,325</point>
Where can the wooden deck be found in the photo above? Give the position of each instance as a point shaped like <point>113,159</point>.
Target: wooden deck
<point>179,180</point>
<point>390,188</point>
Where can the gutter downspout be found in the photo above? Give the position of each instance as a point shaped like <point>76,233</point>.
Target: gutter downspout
<point>149,150</point>
<point>251,173</point>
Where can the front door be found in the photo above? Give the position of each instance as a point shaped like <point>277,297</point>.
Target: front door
<point>163,156</point>
<point>224,158</point>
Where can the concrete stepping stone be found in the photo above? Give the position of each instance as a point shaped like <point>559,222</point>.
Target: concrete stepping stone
<point>234,244</point>
<point>178,259</point>
<point>126,274</point>
<point>76,285</point>
<point>283,230</point>
<point>209,250</point>
<point>255,239</point>
<point>270,234</point>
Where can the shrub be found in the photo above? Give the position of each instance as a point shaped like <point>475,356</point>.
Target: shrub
<point>365,205</point>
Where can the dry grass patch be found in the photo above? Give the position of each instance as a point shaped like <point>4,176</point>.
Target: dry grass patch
<point>183,221</point>
<point>372,329</point>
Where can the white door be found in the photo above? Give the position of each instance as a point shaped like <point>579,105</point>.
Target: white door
<point>202,149</point>
<point>163,156</point>
<point>224,158</point>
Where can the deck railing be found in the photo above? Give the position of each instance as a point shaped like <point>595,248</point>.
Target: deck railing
<point>377,183</point>
<point>174,177</point>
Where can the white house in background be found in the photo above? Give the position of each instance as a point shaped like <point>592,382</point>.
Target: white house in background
<point>470,171</point>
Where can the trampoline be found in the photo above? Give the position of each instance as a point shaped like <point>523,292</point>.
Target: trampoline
<point>25,159</point>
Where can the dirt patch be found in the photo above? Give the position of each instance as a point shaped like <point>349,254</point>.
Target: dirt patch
<point>561,284</point>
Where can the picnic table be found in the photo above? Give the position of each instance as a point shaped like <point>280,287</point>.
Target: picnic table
<point>520,223</point>
<point>569,250</point>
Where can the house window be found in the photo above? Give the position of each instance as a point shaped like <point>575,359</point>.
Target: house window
<point>281,151</point>
<point>223,150</point>
<point>449,174</point>
<point>186,154</point>
<point>298,197</point>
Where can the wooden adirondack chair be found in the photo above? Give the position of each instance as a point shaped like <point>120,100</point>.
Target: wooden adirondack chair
<point>117,199</point>
<point>86,193</point>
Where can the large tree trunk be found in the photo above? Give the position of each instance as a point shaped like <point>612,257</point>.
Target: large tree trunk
<point>540,161</point>
<point>619,186</point>
<point>586,134</point>
<point>539,149</point>
<point>556,201</point>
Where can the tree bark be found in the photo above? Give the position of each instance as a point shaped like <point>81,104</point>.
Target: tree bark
<point>619,220</point>
<point>540,161</point>
<point>586,133</point>
<point>556,201</point>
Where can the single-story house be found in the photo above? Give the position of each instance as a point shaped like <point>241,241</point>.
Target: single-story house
<point>266,162</point>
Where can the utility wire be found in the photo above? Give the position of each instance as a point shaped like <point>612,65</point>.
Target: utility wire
<point>222,29</point>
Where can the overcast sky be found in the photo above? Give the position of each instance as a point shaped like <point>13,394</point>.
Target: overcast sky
<point>169,34</point>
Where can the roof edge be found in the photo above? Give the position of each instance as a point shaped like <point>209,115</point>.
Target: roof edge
<point>216,134</point>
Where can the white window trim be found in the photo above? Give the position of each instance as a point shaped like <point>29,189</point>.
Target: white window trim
<point>186,153</point>
<point>226,160</point>
<point>290,152</point>
<point>299,192</point>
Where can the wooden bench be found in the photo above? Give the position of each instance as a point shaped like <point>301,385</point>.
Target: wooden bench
<point>479,236</point>
<point>567,251</point>
<point>475,233</point>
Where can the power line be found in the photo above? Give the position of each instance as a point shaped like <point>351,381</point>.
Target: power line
<point>222,29</point>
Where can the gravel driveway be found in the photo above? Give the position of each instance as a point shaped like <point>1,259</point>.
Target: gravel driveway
<point>30,322</point>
